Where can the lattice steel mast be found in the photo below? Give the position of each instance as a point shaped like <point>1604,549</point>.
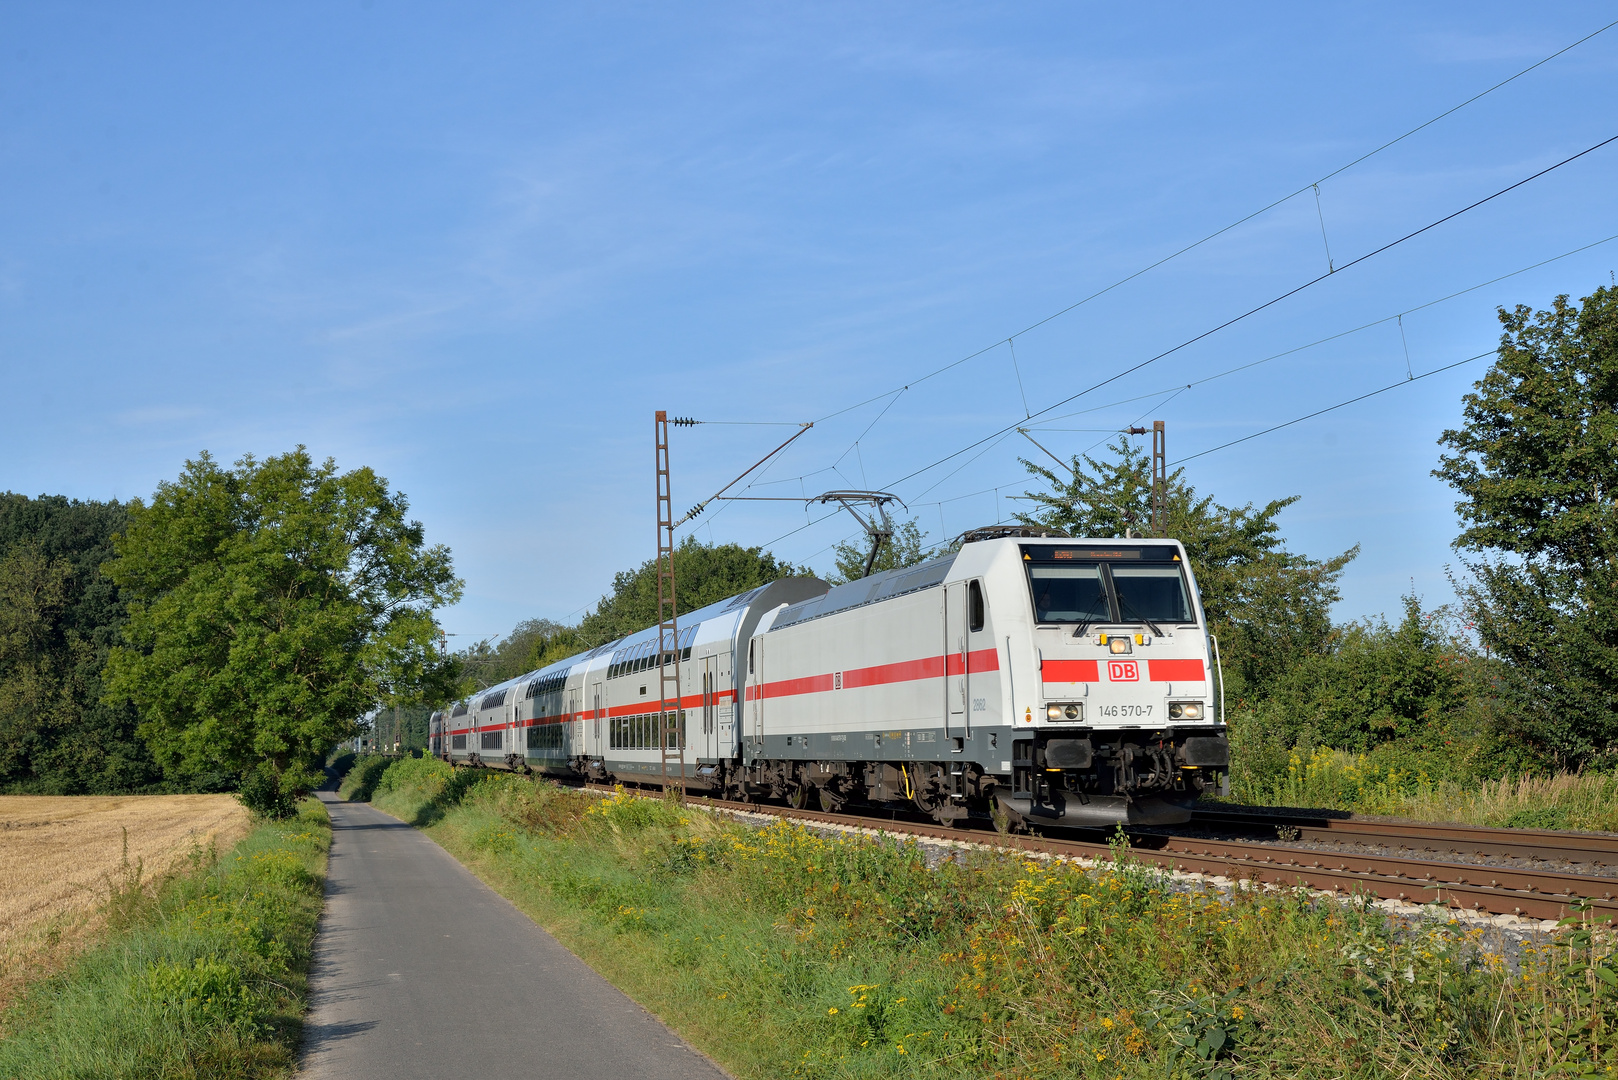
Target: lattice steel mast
<point>668,625</point>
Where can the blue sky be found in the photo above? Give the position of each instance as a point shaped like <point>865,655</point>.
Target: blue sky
<point>476,246</point>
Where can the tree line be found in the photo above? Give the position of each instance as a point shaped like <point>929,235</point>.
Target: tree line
<point>228,632</point>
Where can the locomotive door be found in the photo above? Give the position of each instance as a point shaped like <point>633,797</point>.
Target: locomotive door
<point>956,675</point>
<point>755,690</point>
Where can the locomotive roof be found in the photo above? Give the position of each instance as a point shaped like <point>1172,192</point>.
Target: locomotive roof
<point>868,590</point>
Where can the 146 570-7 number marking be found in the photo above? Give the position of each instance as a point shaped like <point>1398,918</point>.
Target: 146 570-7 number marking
<point>1124,710</point>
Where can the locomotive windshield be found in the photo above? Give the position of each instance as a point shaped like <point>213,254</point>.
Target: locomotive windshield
<point>1151,593</point>
<point>1069,594</point>
<point>1124,585</point>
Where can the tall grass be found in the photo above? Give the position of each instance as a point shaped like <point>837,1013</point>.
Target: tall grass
<point>782,952</point>
<point>199,976</point>
<point>1333,779</point>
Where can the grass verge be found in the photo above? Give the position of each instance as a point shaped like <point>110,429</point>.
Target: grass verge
<point>1336,780</point>
<point>200,975</point>
<point>781,952</point>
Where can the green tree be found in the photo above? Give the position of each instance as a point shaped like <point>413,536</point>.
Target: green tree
<point>1536,465</point>
<point>531,645</point>
<point>271,606</point>
<point>488,662</point>
<point>1267,605</point>
<point>59,617</point>
<point>902,550</point>
<point>703,573</point>
<point>562,643</point>
<point>1416,689</point>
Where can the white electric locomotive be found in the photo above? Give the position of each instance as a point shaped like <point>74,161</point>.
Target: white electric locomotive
<point>1043,677</point>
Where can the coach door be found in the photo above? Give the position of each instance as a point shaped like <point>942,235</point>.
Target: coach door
<point>710,707</point>
<point>956,675</point>
<point>595,711</point>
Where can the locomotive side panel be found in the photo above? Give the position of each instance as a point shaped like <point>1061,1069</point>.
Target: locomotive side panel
<point>851,673</point>
<point>906,679</point>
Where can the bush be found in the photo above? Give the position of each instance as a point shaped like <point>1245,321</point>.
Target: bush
<point>263,792</point>
<point>361,781</point>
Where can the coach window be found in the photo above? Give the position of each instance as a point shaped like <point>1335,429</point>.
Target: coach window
<point>974,605</point>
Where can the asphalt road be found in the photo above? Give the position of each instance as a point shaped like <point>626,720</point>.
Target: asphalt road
<point>421,970</point>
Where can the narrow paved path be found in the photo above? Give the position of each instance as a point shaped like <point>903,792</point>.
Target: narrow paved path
<point>421,970</point>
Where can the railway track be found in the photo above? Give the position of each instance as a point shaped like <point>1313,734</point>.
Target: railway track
<point>1491,889</point>
<point>1595,849</point>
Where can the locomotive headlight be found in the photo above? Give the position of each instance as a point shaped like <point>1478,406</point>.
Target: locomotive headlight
<point>1053,712</point>
<point>1119,645</point>
<point>1073,712</point>
<point>1185,710</point>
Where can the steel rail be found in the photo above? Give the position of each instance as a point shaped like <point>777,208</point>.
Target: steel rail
<point>1496,890</point>
<point>1597,849</point>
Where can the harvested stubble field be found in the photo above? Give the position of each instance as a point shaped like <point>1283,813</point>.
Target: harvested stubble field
<point>60,856</point>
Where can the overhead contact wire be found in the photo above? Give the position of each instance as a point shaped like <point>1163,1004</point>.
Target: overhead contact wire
<point>1334,408</point>
<point>1240,221</point>
<point>1270,303</point>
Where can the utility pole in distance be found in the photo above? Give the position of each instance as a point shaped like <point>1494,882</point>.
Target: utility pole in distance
<point>1160,479</point>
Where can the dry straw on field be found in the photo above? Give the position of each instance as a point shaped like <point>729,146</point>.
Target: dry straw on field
<point>62,856</point>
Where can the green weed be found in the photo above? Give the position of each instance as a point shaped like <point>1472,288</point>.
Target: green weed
<point>783,952</point>
<point>202,976</point>
<point>1333,779</point>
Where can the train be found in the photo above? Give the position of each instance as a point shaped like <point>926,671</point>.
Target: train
<point>1027,677</point>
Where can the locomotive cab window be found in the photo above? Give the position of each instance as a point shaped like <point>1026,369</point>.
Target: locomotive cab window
<point>1151,594</point>
<point>974,606</point>
<point>1069,594</point>
<point>1127,584</point>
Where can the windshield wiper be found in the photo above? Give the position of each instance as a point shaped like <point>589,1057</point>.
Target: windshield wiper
<point>1152,626</point>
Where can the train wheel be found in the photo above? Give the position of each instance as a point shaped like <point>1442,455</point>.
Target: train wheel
<point>830,801</point>
<point>798,796</point>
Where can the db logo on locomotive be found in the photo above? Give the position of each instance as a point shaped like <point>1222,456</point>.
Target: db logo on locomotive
<point>1123,671</point>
